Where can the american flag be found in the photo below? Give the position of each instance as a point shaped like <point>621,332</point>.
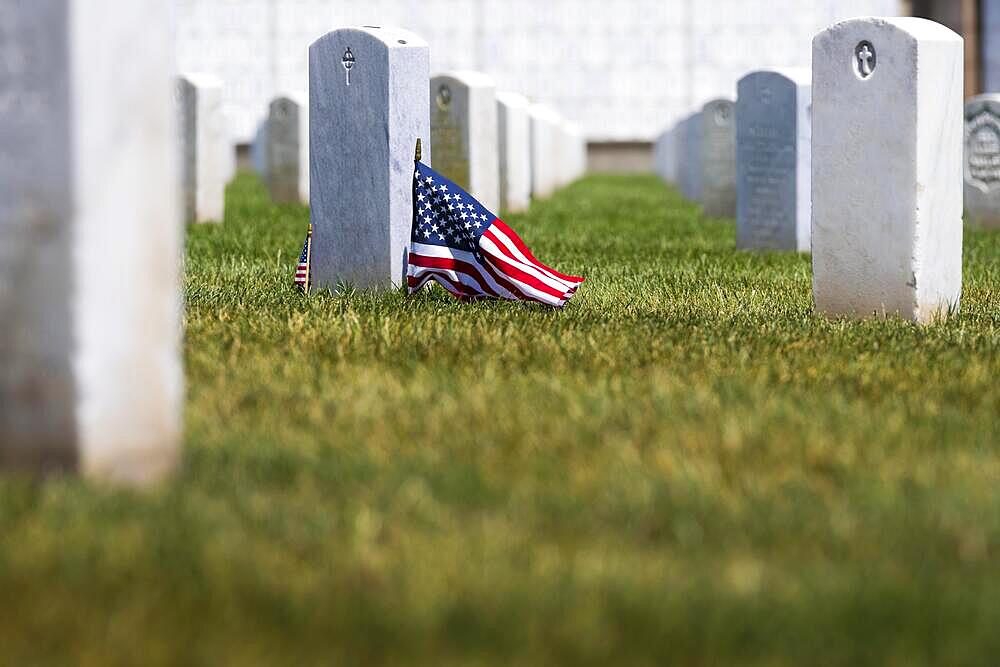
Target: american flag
<point>302,270</point>
<point>470,252</point>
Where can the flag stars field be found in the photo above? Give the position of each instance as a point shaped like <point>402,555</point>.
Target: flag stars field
<point>490,262</point>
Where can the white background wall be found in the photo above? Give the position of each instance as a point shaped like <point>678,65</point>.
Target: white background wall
<point>625,69</point>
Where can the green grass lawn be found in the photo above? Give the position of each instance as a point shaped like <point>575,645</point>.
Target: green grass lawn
<point>684,466</point>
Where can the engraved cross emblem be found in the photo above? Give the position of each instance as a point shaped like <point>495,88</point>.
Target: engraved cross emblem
<point>348,63</point>
<point>865,59</point>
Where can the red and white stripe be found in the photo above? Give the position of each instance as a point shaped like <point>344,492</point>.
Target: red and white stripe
<point>301,274</point>
<point>507,270</point>
<point>302,268</point>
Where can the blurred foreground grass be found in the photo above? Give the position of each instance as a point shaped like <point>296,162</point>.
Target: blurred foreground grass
<point>684,466</point>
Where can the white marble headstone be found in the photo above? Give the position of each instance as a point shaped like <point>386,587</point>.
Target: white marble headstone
<point>576,150</point>
<point>288,149</point>
<point>464,133</point>
<point>982,160</point>
<point>544,150</point>
<point>368,105</point>
<point>718,159</point>
<point>773,160</point>
<point>515,151</point>
<point>205,162</point>
<point>90,235</point>
<point>887,165</point>
<point>564,153</point>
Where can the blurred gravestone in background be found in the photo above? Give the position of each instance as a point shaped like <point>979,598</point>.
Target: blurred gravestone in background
<point>718,158</point>
<point>287,149</point>
<point>982,160</point>
<point>205,147</point>
<point>514,139</point>
<point>464,133</point>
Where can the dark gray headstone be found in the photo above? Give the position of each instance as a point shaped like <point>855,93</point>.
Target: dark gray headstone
<point>773,167</point>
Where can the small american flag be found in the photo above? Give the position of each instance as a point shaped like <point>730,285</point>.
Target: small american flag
<point>470,252</point>
<point>302,270</point>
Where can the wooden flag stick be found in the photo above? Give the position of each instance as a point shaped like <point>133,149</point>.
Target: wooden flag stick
<point>417,155</point>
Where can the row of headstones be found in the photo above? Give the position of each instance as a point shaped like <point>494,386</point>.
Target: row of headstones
<point>699,155</point>
<point>497,145</point>
<point>98,170</point>
<point>752,159</point>
<point>90,373</point>
<point>859,161</point>
<point>749,159</point>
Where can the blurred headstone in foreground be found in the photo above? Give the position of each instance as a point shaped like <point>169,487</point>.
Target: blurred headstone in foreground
<point>90,372</point>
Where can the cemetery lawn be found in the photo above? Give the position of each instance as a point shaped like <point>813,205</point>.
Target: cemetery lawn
<point>684,466</point>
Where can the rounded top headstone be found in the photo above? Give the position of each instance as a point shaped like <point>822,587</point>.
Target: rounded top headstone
<point>719,110</point>
<point>389,36</point>
<point>873,48</point>
<point>915,28</point>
